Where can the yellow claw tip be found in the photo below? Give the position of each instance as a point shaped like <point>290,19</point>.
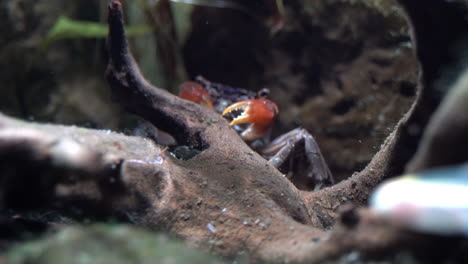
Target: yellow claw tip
<point>242,119</point>
<point>235,106</point>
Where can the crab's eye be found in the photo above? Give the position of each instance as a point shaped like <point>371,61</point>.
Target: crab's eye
<point>263,93</point>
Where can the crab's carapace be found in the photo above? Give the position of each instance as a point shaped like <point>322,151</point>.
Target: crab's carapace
<point>195,92</point>
<point>259,113</point>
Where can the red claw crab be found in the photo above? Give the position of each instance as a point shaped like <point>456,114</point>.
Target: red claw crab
<point>295,153</point>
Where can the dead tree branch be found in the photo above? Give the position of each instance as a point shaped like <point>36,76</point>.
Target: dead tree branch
<point>226,198</point>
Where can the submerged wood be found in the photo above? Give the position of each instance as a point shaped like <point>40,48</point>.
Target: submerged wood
<point>227,198</point>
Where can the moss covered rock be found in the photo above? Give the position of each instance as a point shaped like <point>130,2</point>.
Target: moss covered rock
<point>107,244</point>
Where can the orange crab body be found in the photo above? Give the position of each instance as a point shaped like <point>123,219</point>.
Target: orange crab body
<point>195,92</point>
<point>253,115</point>
<point>258,112</point>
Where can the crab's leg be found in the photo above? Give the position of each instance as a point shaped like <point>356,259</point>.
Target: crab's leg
<point>296,146</point>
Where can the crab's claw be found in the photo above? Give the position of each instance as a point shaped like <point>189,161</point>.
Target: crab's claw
<point>195,92</point>
<point>259,113</point>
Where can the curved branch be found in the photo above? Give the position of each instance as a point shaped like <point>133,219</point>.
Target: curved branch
<point>186,121</point>
<point>437,25</point>
<point>226,198</point>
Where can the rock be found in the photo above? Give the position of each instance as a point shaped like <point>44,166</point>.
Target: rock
<point>107,243</point>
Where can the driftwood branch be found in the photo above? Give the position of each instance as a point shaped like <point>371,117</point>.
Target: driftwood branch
<point>183,120</point>
<point>226,198</point>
